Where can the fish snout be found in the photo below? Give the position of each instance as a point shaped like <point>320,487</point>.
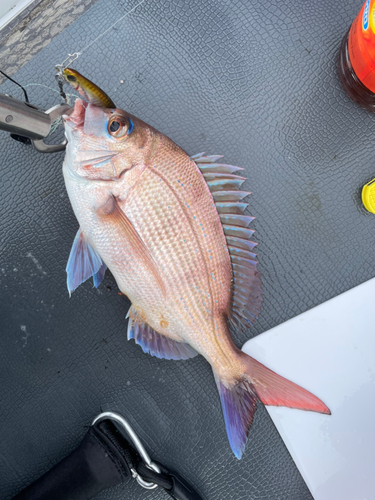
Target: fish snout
<point>77,118</point>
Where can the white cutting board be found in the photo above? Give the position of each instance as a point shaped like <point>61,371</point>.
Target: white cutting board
<point>329,350</point>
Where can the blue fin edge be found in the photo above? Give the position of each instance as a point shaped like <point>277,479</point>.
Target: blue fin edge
<point>239,402</point>
<point>83,262</point>
<point>155,343</point>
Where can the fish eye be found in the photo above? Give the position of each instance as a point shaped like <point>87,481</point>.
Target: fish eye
<point>115,125</point>
<point>119,126</point>
<point>71,78</point>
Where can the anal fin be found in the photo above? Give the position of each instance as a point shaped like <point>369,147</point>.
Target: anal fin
<point>155,343</point>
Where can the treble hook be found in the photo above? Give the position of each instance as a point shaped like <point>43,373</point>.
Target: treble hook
<point>67,62</point>
<point>60,68</point>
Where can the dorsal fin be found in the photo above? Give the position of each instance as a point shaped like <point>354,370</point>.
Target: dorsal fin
<point>241,243</point>
<point>155,343</point>
<point>218,168</point>
<point>238,231</point>
<point>225,183</point>
<point>224,186</point>
<point>236,220</point>
<point>231,207</point>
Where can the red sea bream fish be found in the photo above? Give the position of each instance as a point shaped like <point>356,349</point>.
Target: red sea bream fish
<point>172,230</point>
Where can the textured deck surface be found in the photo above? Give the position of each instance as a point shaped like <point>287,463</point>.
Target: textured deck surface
<point>255,81</point>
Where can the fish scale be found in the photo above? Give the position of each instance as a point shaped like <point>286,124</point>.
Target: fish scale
<point>172,230</point>
<point>120,256</point>
<point>165,237</point>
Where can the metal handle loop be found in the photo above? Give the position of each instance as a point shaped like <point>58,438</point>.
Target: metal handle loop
<point>54,113</point>
<point>119,419</point>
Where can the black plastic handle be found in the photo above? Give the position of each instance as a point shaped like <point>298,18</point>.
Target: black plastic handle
<point>181,490</point>
<point>89,469</point>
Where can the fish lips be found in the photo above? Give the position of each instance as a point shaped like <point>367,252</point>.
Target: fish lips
<point>77,117</point>
<point>90,119</point>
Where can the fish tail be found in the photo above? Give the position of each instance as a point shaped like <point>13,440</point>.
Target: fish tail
<point>239,399</point>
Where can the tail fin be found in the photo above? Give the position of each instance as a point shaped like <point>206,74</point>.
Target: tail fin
<point>239,399</point>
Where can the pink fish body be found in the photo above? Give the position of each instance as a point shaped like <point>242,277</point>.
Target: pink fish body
<point>172,231</point>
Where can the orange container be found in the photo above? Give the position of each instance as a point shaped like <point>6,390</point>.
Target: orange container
<point>357,58</point>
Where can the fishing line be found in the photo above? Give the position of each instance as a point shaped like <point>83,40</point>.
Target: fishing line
<point>70,59</point>
<point>77,54</point>
<point>106,31</point>
<point>58,121</point>
<point>73,57</point>
<point>53,90</point>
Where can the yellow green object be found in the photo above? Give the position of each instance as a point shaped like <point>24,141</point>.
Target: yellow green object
<point>86,88</point>
<point>368,196</point>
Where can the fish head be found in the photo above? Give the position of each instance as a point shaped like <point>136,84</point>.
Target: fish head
<point>104,143</point>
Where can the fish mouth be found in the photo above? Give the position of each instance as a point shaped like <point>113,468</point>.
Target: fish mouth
<point>77,117</point>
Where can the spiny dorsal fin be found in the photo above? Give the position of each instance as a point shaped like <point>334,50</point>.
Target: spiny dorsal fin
<point>225,183</point>
<point>225,188</point>
<point>219,175</point>
<point>217,168</point>
<point>231,207</point>
<point>233,195</point>
<point>153,342</point>
<point>201,158</point>
<point>238,231</point>
<point>236,220</point>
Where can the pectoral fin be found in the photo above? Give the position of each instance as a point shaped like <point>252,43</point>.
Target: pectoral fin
<point>83,262</point>
<point>99,276</point>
